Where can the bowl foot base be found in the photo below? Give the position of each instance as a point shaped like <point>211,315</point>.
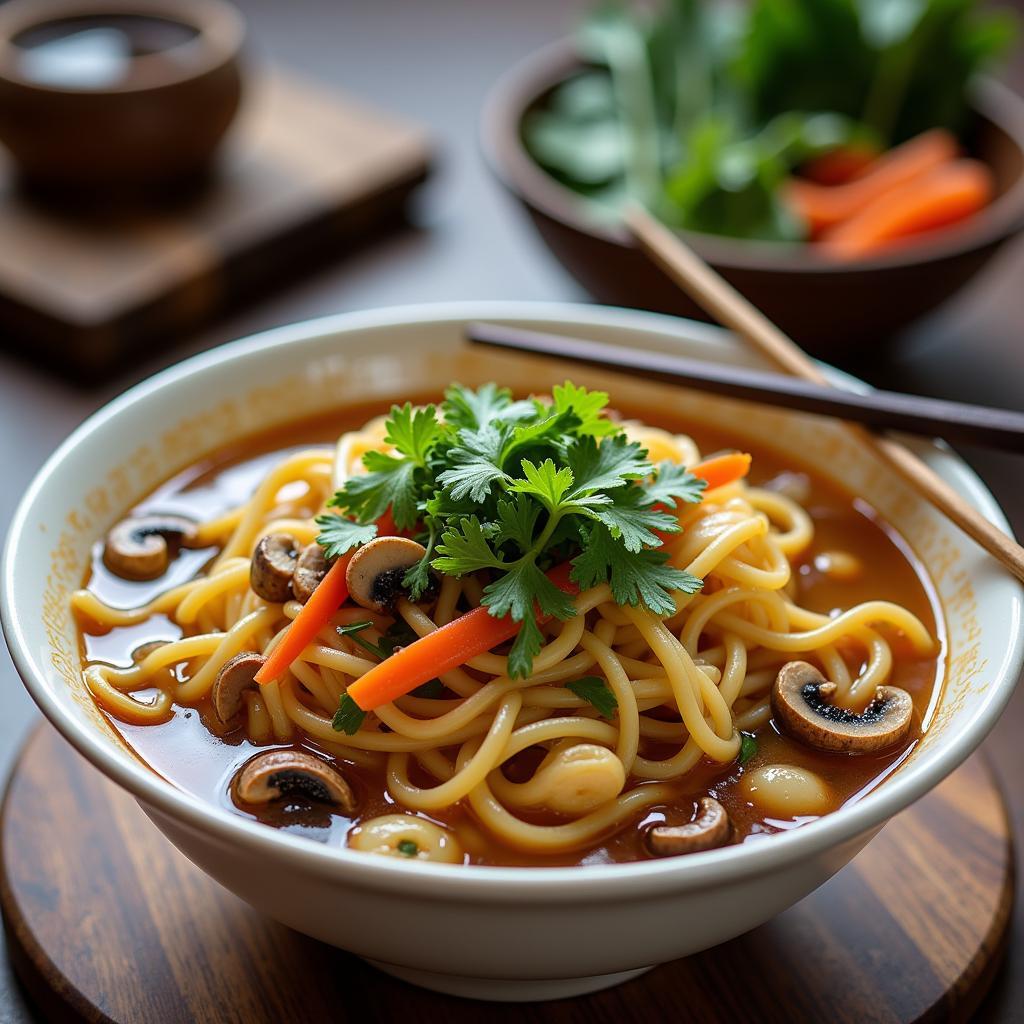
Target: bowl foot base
<point>504,990</point>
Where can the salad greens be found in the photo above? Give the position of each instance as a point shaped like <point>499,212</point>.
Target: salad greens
<point>512,488</point>
<point>701,109</point>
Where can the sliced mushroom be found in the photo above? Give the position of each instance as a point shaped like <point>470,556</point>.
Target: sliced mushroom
<point>278,773</point>
<point>310,569</point>
<point>711,829</point>
<point>272,565</point>
<point>140,548</point>
<point>801,706</point>
<point>235,677</point>
<point>375,573</point>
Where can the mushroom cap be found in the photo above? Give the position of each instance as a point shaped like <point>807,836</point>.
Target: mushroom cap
<point>236,675</point>
<point>801,709</point>
<point>272,565</point>
<point>277,773</point>
<point>139,548</point>
<point>310,569</point>
<point>709,830</point>
<point>376,570</point>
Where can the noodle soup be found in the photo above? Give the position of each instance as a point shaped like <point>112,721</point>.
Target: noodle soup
<point>634,734</point>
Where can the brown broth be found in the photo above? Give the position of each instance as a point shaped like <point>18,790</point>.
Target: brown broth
<point>184,751</point>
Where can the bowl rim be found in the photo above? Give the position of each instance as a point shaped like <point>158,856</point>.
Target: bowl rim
<point>520,86</point>
<point>444,882</point>
<point>220,34</point>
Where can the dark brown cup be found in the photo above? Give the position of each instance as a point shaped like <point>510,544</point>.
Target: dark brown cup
<point>832,309</point>
<point>159,123</point>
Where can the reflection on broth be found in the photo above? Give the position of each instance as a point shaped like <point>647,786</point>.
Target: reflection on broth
<point>620,735</point>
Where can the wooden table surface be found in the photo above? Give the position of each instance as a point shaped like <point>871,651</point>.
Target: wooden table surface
<point>433,62</point>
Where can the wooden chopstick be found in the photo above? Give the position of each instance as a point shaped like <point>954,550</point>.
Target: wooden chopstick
<point>732,310</point>
<point>930,417</point>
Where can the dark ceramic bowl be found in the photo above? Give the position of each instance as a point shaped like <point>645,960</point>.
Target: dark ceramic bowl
<point>830,308</point>
<point>157,117</point>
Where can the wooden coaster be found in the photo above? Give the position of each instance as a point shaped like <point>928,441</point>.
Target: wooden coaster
<point>303,170</point>
<point>106,921</point>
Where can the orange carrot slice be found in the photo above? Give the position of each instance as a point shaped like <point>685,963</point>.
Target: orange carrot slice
<point>840,165</point>
<point>946,196</point>
<point>822,206</point>
<point>461,640</point>
<point>722,469</point>
<point>331,593</point>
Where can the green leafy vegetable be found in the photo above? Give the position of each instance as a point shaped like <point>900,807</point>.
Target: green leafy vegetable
<point>339,535</point>
<point>596,691</point>
<point>353,629</point>
<point>510,487</point>
<point>748,747</point>
<point>349,717</point>
<point>701,109</point>
<point>408,847</point>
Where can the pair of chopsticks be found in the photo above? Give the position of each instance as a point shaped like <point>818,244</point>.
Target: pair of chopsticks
<point>810,391</point>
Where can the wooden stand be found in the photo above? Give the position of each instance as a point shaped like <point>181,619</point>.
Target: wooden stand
<point>304,174</point>
<point>106,921</point>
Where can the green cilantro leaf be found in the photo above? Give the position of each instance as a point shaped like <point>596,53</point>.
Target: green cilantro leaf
<point>635,577</point>
<point>673,483</point>
<point>471,476</point>
<point>524,649</point>
<point>514,594</point>
<point>349,717</point>
<point>748,747</point>
<point>596,691</point>
<point>339,535</point>
<point>547,482</point>
<point>353,629</point>
<point>466,548</point>
<point>630,519</point>
<point>605,466</point>
<point>464,408</point>
<point>418,580</point>
<point>587,405</point>
<point>413,432</point>
<point>517,520</point>
<point>390,482</point>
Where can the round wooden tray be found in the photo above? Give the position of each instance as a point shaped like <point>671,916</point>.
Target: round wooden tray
<point>106,921</point>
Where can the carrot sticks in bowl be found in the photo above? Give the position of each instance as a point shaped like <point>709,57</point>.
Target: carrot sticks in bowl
<point>912,189</point>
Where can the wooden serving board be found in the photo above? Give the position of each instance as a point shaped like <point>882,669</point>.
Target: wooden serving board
<point>303,173</point>
<point>106,921</point>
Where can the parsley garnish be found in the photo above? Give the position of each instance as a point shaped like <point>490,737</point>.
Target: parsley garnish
<point>349,717</point>
<point>596,691</point>
<point>408,847</point>
<point>511,488</point>
<point>748,747</point>
<point>353,629</point>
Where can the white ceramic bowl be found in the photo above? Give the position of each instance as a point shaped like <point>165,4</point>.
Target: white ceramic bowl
<point>503,933</point>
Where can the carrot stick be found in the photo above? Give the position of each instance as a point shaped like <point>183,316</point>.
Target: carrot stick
<point>722,469</point>
<point>330,594</point>
<point>946,196</point>
<point>446,648</point>
<point>840,165</point>
<point>823,206</point>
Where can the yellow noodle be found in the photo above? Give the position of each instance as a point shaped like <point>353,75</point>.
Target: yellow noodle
<point>687,683</point>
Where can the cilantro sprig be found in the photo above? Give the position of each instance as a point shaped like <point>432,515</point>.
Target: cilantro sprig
<point>513,487</point>
<point>596,691</point>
